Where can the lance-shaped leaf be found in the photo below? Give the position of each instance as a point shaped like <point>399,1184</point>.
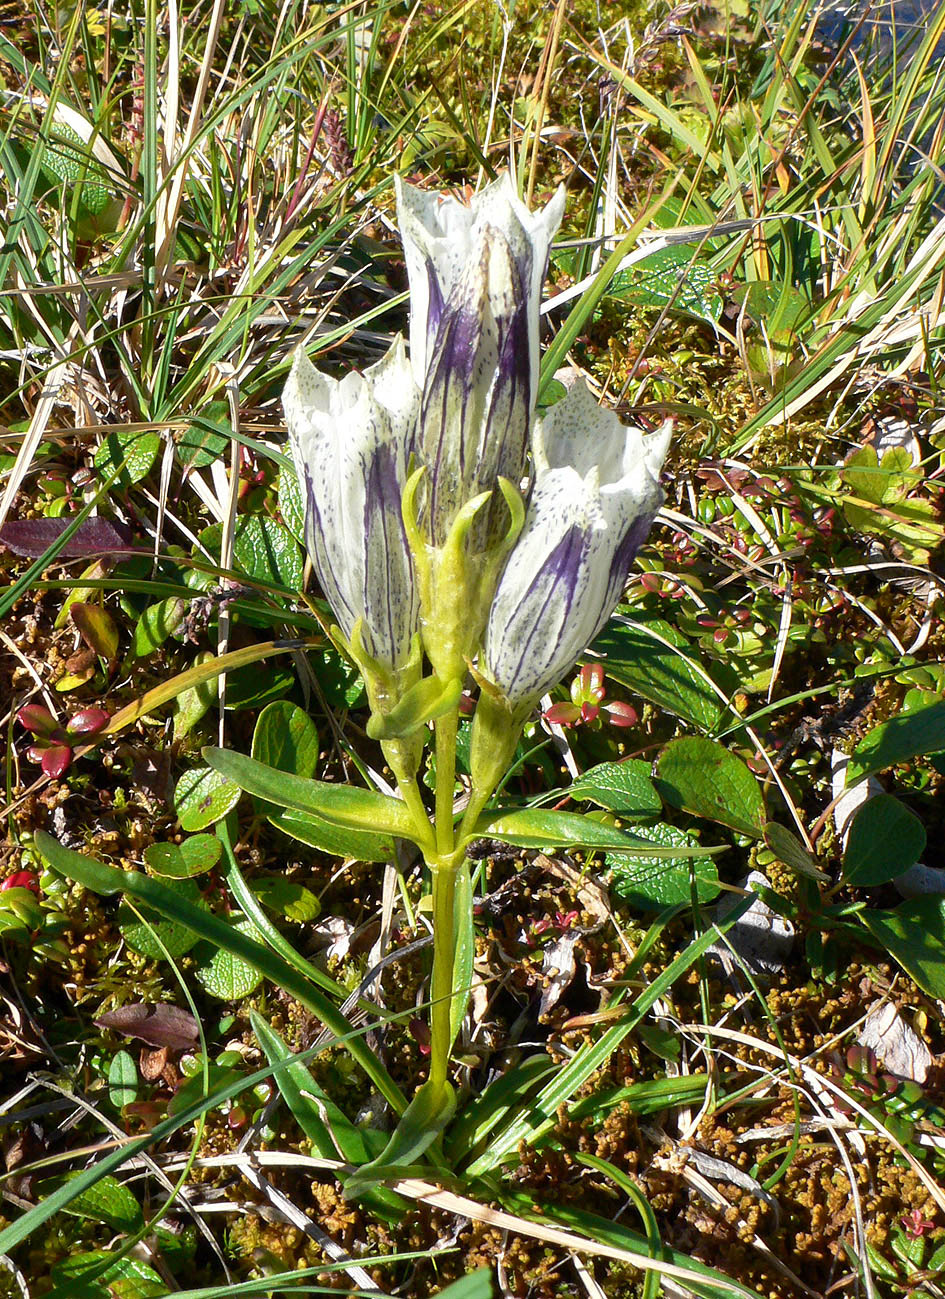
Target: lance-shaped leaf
<point>351,440</point>
<point>595,496</point>
<point>341,805</point>
<point>106,880</point>
<point>542,828</point>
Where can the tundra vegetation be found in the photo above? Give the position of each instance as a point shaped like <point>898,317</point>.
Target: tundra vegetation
<point>393,899</point>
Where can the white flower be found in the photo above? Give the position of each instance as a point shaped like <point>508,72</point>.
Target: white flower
<point>476,275</point>
<point>594,498</point>
<point>351,442</point>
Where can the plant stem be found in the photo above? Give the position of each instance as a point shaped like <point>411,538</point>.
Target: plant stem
<point>446,728</point>
<point>411,796</point>
<point>443,869</point>
<point>444,943</point>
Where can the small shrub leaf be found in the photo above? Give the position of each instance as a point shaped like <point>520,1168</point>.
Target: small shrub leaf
<point>702,777</point>
<point>885,840</point>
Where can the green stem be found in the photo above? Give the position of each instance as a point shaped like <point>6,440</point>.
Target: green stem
<point>411,796</point>
<point>443,869</point>
<point>446,727</point>
<point>444,943</point>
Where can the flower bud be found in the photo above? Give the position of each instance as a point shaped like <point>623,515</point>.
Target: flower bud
<point>476,276</point>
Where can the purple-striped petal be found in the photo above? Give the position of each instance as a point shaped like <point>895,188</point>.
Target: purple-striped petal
<point>568,567</point>
<point>351,441</point>
<point>476,406</point>
<point>476,276</point>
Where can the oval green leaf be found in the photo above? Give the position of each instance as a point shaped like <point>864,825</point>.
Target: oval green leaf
<point>910,735</point>
<point>264,550</point>
<point>122,1079</point>
<point>285,739</point>
<point>196,854</point>
<point>143,935</point>
<point>107,1201</point>
<point>224,974</point>
<point>286,898</point>
<point>623,787</point>
<point>207,438</point>
<point>792,852</point>
<point>651,883</point>
<point>662,671</point>
<point>702,777</point>
<point>203,797</point>
<point>914,935</point>
<point>126,1278</point>
<point>130,450</point>
<point>885,840</point>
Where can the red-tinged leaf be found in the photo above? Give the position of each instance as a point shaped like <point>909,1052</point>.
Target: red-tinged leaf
<point>55,760</point>
<point>621,714</point>
<point>21,880</point>
<point>97,628</point>
<point>562,714</point>
<point>88,722</point>
<point>37,718</point>
<point>94,536</point>
<point>160,1025</point>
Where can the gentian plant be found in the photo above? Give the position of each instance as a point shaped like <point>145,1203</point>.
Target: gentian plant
<point>459,538</point>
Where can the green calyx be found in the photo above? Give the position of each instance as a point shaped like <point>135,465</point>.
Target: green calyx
<point>457,583</point>
<point>495,734</point>
<point>428,699</point>
<point>386,690</point>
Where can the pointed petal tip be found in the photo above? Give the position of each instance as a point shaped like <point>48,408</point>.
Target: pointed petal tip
<point>301,385</point>
<point>656,446</point>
